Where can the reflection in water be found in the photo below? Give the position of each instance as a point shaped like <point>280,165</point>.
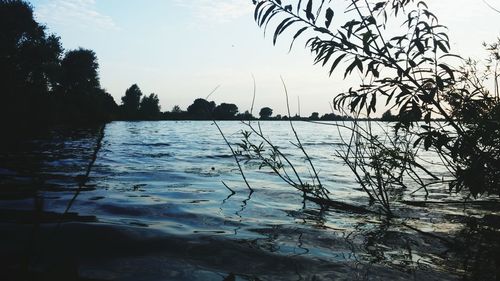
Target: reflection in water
<point>152,207</point>
<point>26,172</point>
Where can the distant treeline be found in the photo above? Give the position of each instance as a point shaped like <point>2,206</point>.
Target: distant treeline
<point>41,84</point>
<point>135,106</point>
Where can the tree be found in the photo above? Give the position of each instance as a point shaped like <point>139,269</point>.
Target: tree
<point>225,111</point>
<point>81,98</point>
<point>29,61</point>
<point>131,102</point>
<point>79,72</point>
<point>150,107</point>
<point>201,109</point>
<point>27,54</point>
<point>37,86</point>
<point>314,116</point>
<point>265,113</point>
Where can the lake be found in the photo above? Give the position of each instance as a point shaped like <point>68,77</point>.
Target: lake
<point>155,207</point>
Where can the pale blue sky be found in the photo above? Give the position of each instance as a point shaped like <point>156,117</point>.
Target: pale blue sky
<point>182,49</point>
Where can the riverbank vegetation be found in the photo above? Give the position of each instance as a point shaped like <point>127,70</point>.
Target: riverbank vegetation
<point>402,54</point>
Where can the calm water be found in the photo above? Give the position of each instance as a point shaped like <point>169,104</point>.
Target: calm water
<point>155,208</point>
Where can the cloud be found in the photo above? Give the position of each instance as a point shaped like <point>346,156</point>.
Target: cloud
<point>75,13</point>
<point>220,11</point>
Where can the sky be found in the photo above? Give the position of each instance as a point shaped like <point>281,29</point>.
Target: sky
<point>183,49</point>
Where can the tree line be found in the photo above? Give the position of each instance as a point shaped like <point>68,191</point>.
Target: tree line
<point>42,84</point>
<point>136,106</point>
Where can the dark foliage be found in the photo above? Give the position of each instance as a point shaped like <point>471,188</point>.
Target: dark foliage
<point>175,114</point>
<point>79,72</point>
<point>410,70</point>
<point>225,111</point>
<point>201,109</point>
<point>28,58</point>
<point>334,117</point>
<point>265,113</point>
<point>245,116</point>
<point>39,88</point>
<point>131,102</point>
<point>79,93</point>
<point>150,107</point>
<point>314,116</point>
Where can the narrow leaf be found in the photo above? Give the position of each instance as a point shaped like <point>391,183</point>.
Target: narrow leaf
<point>448,70</point>
<point>336,62</point>
<point>297,35</point>
<point>329,17</point>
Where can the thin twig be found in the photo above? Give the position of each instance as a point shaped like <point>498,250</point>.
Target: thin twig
<point>301,147</point>
<point>234,155</point>
<point>82,179</point>
<point>232,191</point>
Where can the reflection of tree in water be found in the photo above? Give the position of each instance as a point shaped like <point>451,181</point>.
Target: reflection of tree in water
<point>44,168</point>
<point>43,162</point>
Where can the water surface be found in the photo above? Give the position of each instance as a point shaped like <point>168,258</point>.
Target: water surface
<point>155,208</point>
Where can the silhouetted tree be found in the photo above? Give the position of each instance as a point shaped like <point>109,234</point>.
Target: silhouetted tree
<point>150,107</point>
<point>265,113</point>
<point>37,86</point>
<point>201,109</point>
<point>79,72</point>
<point>131,102</point>
<point>314,116</point>
<point>80,96</point>
<point>29,61</point>
<point>225,111</point>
